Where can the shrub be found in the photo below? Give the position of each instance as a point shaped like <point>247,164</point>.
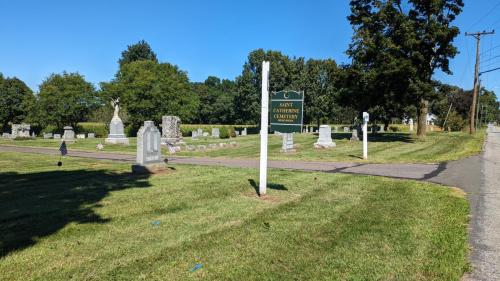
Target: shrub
<point>455,122</point>
<point>394,129</point>
<point>100,129</point>
<point>50,129</point>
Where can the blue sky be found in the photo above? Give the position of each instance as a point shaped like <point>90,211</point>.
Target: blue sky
<point>201,37</point>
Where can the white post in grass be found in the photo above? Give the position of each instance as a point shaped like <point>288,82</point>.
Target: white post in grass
<point>366,118</point>
<point>264,115</point>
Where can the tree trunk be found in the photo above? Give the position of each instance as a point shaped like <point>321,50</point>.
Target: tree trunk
<point>386,125</point>
<point>319,122</point>
<point>423,108</point>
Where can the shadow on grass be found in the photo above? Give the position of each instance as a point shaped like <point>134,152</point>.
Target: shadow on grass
<point>36,205</point>
<point>274,186</point>
<point>379,137</point>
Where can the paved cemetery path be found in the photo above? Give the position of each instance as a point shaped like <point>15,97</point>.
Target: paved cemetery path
<point>485,207</point>
<point>403,171</point>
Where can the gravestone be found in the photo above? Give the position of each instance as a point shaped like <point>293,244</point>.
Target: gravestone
<point>212,146</point>
<point>149,158</point>
<point>202,147</point>
<point>91,136</point>
<point>287,144</point>
<point>6,135</point>
<point>244,132</point>
<point>194,135</point>
<point>311,129</point>
<point>47,135</point>
<point>382,129</point>
<point>411,124</point>
<point>205,134</point>
<point>69,134</point>
<point>237,133</point>
<point>57,136</point>
<point>325,138</point>
<point>354,136</point>
<point>335,129</point>
<point>171,130</point>
<point>80,136</point>
<point>116,132</point>
<point>215,133</point>
<point>346,130</point>
<point>199,132</point>
<point>33,135</point>
<point>20,131</point>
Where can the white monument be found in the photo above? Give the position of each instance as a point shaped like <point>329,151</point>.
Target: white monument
<point>116,132</point>
<point>69,134</point>
<point>411,124</point>
<point>325,137</point>
<point>20,130</point>
<point>149,158</point>
<point>215,133</point>
<point>287,145</point>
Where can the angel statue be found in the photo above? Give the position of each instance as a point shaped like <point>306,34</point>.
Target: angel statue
<point>116,104</point>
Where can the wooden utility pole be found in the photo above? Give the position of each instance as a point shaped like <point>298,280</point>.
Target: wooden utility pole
<point>477,35</point>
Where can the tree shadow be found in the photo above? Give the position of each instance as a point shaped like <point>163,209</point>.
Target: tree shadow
<point>378,137</point>
<point>274,186</point>
<point>36,205</point>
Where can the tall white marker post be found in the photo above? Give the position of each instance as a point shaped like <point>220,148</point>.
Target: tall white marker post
<point>366,118</point>
<point>264,115</point>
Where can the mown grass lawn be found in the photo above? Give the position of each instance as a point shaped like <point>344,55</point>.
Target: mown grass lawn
<point>93,220</point>
<point>383,148</point>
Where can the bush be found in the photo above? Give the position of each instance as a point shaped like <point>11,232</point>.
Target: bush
<point>50,129</point>
<point>394,128</point>
<point>455,122</point>
<point>100,129</point>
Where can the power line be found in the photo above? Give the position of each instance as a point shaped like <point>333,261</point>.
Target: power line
<point>485,15</point>
<point>491,58</point>
<point>492,48</point>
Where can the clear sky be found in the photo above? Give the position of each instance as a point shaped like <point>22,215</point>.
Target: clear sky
<point>201,37</point>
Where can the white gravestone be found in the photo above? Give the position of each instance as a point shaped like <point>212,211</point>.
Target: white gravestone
<point>57,136</point>
<point>149,158</point>
<point>346,129</point>
<point>311,129</point>
<point>69,134</point>
<point>20,130</point>
<point>325,137</point>
<point>194,135</point>
<point>287,144</point>
<point>116,131</point>
<point>91,135</point>
<point>411,124</point>
<point>354,136</point>
<point>215,133</point>
<point>200,132</point>
<point>6,135</point>
<point>171,130</point>
<point>48,136</point>
<point>244,132</point>
<point>80,136</point>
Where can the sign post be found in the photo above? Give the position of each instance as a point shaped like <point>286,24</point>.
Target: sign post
<point>366,118</point>
<point>264,113</point>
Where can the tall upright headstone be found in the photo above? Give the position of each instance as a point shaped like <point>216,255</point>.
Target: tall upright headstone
<point>287,145</point>
<point>325,137</point>
<point>149,158</point>
<point>411,124</point>
<point>215,133</point>
<point>116,131</point>
<point>69,134</point>
<point>244,132</point>
<point>171,130</point>
<point>354,135</point>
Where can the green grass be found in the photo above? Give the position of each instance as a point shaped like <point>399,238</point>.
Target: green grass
<point>93,221</point>
<point>383,148</point>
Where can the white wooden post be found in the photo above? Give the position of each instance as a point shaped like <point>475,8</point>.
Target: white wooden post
<point>264,115</point>
<point>365,135</point>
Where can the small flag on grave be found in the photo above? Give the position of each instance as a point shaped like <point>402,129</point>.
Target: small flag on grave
<point>63,148</point>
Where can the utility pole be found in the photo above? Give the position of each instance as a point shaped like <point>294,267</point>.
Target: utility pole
<point>477,35</point>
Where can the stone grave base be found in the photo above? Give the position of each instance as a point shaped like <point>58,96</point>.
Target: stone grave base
<point>117,141</point>
<point>174,141</point>
<point>149,169</point>
<point>288,150</point>
<point>325,145</point>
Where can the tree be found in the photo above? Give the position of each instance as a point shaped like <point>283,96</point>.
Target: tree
<point>66,99</point>
<point>17,102</point>
<point>136,52</point>
<point>216,101</point>
<point>285,74</point>
<point>320,80</point>
<point>408,44</point>
<point>149,90</point>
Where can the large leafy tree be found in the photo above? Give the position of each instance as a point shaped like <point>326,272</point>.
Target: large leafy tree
<point>66,99</point>
<point>149,90</point>
<point>285,73</point>
<point>17,102</point>
<point>321,87</point>
<point>138,51</point>
<point>216,101</point>
<point>403,44</point>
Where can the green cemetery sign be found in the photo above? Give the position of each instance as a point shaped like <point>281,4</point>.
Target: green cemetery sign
<point>287,111</point>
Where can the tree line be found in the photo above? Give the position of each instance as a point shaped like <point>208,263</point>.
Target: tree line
<point>395,50</point>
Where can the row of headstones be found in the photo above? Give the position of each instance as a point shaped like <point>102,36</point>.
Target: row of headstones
<point>68,136</point>
<point>346,129</point>
<point>215,133</point>
<point>324,139</point>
